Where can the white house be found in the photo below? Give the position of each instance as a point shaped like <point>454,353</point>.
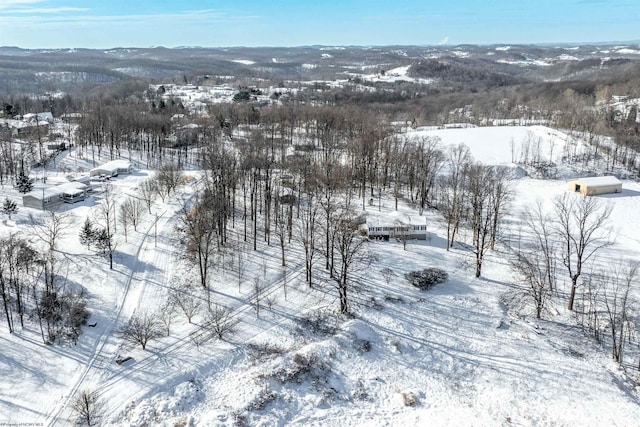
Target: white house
<point>405,227</point>
<point>112,168</point>
<point>73,191</point>
<point>39,117</point>
<point>52,197</point>
<point>71,117</point>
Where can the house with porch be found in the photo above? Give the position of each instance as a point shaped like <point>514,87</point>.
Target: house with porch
<point>52,197</point>
<point>401,227</point>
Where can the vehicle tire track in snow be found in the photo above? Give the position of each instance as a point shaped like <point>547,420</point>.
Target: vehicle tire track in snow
<point>146,364</point>
<point>53,417</point>
<point>184,340</point>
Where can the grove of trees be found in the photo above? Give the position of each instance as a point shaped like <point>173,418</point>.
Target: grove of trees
<point>296,174</point>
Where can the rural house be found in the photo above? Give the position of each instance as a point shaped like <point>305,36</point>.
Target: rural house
<point>410,228</point>
<point>39,117</point>
<point>596,185</point>
<point>52,197</point>
<point>112,168</point>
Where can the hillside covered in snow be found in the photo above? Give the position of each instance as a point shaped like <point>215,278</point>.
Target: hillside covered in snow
<point>262,344</point>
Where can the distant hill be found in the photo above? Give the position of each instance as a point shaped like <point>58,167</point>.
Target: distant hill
<point>36,70</point>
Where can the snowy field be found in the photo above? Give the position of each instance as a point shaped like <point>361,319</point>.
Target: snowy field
<point>399,74</point>
<point>456,355</point>
<point>500,145</point>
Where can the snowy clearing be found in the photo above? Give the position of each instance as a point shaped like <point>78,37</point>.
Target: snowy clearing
<point>463,353</point>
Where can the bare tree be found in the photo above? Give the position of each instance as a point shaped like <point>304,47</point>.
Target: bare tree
<point>168,178</point>
<point>350,246</point>
<point>532,267</point>
<point>539,226</point>
<point>221,175</point>
<point>88,408</point>
<point>166,314</point>
<point>307,234</point>
<point>148,192</point>
<point>124,222</point>
<point>480,196</point>
<point>240,258</point>
<point>501,196</point>
<point>200,337</point>
<point>198,228</point>
<point>430,160</point>
<point>141,329</point>
<point>452,189</point>
<point>403,232</point>
<point>220,321</point>
<point>257,295</point>
<point>617,303</point>
<point>50,230</point>
<point>60,312</point>
<point>17,260</point>
<point>131,209</point>
<point>282,233</point>
<point>188,303</point>
<point>388,274</point>
<point>582,226</point>
<point>591,317</point>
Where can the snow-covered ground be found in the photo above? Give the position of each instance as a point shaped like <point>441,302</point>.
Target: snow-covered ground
<point>499,145</point>
<point>460,354</point>
<point>398,74</point>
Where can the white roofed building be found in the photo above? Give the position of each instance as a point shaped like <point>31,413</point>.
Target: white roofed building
<point>52,197</point>
<point>596,185</point>
<point>404,227</point>
<point>112,168</point>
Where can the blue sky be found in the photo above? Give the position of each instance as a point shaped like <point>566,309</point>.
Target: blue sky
<point>171,23</point>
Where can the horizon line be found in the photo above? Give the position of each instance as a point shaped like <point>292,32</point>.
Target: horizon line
<point>545,44</point>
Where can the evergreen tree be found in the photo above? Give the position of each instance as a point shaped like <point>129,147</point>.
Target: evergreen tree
<point>102,239</point>
<point>9,207</point>
<point>106,244</point>
<point>24,184</point>
<point>88,233</point>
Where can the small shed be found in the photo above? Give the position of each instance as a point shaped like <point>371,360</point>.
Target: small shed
<point>596,185</point>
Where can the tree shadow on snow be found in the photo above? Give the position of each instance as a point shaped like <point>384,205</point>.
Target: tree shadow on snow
<point>132,262</point>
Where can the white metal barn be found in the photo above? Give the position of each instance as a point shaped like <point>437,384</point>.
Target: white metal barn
<point>112,168</point>
<point>596,185</point>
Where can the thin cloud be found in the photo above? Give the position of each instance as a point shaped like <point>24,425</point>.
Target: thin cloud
<point>194,16</point>
<point>44,10</point>
<point>7,4</point>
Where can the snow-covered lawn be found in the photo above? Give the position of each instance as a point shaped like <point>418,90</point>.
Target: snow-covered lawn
<point>459,354</point>
<point>500,145</point>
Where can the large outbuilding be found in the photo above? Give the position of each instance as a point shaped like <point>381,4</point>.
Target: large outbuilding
<point>112,168</point>
<point>596,185</point>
